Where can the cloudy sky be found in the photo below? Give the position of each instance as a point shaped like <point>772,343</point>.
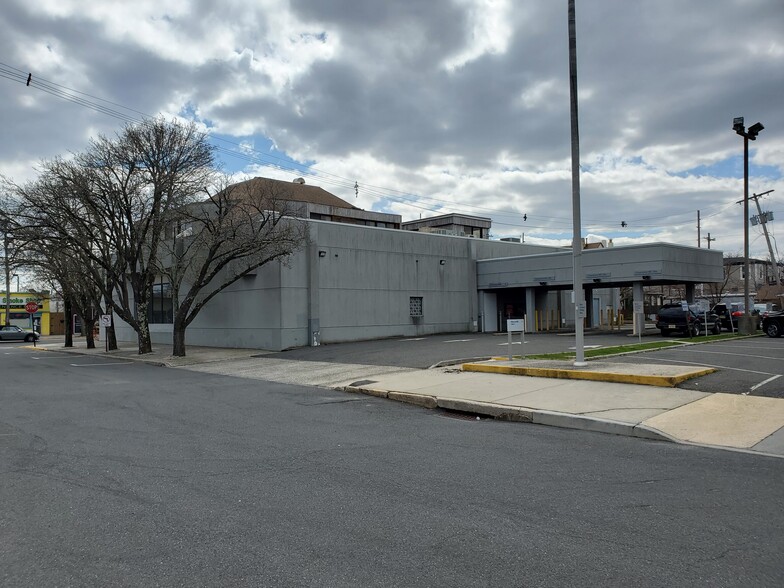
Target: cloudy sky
<point>430,106</point>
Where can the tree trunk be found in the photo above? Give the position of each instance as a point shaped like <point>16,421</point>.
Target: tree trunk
<point>89,331</point>
<point>68,311</point>
<point>145,339</point>
<point>111,337</point>
<point>178,339</point>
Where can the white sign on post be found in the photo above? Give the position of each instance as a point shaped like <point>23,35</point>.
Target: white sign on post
<point>639,307</point>
<point>514,325</point>
<point>106,320</point>
<point>581,310</point>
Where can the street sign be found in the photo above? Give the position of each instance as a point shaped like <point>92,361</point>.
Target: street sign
<point>106,320</point>
<point>639,307</point>
<point>31,307</point>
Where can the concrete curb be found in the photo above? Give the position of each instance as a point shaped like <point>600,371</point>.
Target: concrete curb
<point>519,414</point>
<point>104,355</point>
<point>567,374</point>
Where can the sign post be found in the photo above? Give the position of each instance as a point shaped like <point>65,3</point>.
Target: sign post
<point>106,322</point>
<point>639,317</point>
<point>515,326</point>
<point>32,308</point>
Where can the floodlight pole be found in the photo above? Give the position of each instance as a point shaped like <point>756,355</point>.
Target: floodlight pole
<point>577,241</point>
<point>746,327</point>
<point>746,313</point>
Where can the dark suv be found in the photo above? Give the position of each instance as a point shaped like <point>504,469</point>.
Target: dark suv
<point>672,317</point>
<point>773,324</point>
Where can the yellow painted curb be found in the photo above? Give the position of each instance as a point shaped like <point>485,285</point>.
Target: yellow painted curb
<point>566,374</point>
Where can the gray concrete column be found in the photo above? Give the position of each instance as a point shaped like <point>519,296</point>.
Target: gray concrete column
<point>690,289</point>
<point>530,308</point>
<point>639,319</point>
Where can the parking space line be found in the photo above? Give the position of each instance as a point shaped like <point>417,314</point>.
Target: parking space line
<point>457,340</point>
<point>708,352</point>
<point>763,383</point>
<point>720,367</point>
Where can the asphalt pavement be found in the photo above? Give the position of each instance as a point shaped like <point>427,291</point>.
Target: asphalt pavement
<point>617,397</point>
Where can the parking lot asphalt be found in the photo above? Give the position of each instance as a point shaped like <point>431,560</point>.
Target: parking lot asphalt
<point>616,399</point>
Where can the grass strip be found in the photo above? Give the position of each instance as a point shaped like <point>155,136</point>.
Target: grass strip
<point>618,349</point>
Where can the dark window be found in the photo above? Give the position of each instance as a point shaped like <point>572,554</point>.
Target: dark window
<point>161,309</point>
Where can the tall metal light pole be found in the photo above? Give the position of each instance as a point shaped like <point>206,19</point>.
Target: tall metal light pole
<point>746,326</point>
<point>577,241</point>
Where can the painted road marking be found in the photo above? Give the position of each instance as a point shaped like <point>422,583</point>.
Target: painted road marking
<point>726,353</point>
<point>458,340</point>
<point>720,367</point>
<point>415,339</point>
<point>763,383</point>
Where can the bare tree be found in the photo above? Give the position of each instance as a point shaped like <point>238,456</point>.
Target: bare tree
<point>214,243</point>
<point>112,203</point>
<point>716,291</point>
<point>11,250</point>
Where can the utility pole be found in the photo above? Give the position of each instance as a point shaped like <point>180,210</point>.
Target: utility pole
<point>699,241</point>
<point>763,220</point>
<point>709,239</point>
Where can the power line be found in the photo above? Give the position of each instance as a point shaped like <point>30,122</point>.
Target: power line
<point>287,165</point>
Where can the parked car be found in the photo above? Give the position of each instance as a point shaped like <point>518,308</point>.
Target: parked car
<point>729,314</point>
<point>773,324</point>
<point>765,310</point>
<point>14,333</point>
<point>672,317</point>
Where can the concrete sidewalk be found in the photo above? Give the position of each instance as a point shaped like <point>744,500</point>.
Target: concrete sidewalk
<point>635,400</point>
<point>727,421</point>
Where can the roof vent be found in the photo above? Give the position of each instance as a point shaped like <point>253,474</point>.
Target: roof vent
<point>299,181</point>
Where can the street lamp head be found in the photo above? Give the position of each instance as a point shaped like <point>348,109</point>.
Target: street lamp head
<point>754,130</point>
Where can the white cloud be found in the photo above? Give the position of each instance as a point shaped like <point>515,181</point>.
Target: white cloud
<point>445,105</point>
<point>489,31</point>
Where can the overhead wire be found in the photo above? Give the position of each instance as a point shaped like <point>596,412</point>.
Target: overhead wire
<point>288,165</point>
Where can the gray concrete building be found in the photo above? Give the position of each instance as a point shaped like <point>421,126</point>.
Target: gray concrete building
<point>358,281</point>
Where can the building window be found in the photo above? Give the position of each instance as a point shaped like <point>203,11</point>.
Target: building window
<point>415,305</point>
<point>161,309</point>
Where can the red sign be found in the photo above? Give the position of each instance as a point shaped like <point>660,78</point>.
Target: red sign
<point>31,307</point>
